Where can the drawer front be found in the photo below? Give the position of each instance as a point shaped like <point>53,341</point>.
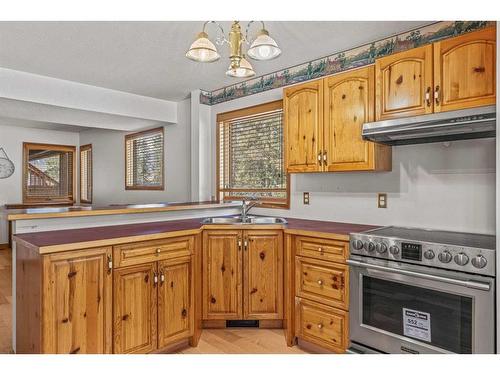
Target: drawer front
<point>150,251</point>
<point>319,248</point>
<point>322,281</point>
<point>322,325</point>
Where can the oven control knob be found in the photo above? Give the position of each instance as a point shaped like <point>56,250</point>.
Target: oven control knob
<point>394,250</point>
<point>381,248</point>
<point>357,244</point>
<point>461,259</point>
<point>369,246</point>
<point>429,254</point>
<point>479,261</point>
<point>445,257</point>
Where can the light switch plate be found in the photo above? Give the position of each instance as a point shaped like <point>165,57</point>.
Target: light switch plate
<point>306,197</point>
<point>382,200</point>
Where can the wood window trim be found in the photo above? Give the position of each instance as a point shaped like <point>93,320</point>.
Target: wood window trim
<point>241,113</point>
<point>139,134</point>
<point>27,146</point>
<point>89,168</point>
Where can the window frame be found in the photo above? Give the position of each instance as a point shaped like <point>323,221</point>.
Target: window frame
<point>136,135</point>
<point>90,172</point>
<point>27,146</point>
<point>246,112</point>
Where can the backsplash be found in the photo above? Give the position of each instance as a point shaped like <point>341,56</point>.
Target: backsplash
<point>345,60</point>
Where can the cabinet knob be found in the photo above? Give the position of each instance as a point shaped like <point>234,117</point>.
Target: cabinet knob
<point>158,251</point>
<point>320,249</point>
<point>320,325</point>
<point>320,282</point>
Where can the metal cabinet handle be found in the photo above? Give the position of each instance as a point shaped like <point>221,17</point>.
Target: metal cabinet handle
<point>239,244</point>
<point>110,264</point>
<point>428,97</point>
<point>162,277</point>
<point>155,278</point>
<point>436,95</point>
<point>464,283</point>
<point>245,244</point>
<point>320,158</point>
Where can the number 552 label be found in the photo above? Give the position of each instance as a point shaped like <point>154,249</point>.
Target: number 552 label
<point>417,324</point>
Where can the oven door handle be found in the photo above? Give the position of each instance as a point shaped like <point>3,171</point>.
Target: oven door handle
<point>467,284</point>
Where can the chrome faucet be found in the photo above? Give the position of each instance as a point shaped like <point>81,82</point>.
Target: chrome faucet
<point>246,205</point>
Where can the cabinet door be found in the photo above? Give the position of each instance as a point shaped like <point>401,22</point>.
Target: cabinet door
<point>77,302</point>
<point>135,306</point>
<point>404,84</point>
<point>303,116</point>
<point>222,264</point>
<point>464,71</point>
<point>263,274</point>
<point>349,103</point>
<point>175,300</point>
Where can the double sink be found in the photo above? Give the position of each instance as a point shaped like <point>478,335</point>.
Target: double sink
<point>244,220</point>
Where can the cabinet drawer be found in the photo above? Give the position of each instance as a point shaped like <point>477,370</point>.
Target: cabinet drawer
<point>322,281</point>
<point>322,325</point>
<point>335,251</point>
<point>150,251</point>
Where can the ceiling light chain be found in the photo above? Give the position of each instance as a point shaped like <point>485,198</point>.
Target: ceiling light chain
<point>263,47</point>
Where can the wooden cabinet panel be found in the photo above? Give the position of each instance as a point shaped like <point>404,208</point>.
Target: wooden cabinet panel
<point>77,304</point>
<point>404,83</point>
<point>465,71</point>
<point>303,116</point>
<point>222,265</point>
<point>263,279</point>
<point>152,251</point>
<point>349,103</point>
<point>175,301</point>
<point>135,309</point>
<point>320,248</point>
<point>322,325</point>
<point>322,281</point>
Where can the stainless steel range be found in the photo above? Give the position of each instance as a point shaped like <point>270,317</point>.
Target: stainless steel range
<point>422,291</point>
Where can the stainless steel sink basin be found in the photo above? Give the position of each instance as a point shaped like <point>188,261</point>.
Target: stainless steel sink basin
<point>249,220</point>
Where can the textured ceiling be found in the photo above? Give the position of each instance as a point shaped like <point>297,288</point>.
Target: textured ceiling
<point>147,58</point>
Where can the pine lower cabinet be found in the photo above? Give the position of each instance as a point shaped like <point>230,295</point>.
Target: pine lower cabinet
<point>242,274</point>
<point>319,313</point>
<point>153,301</point>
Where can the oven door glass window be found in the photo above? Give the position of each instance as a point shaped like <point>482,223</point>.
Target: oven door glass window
<point>437,318</point>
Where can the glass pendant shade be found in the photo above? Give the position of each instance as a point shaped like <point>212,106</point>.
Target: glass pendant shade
<point>264,47</point>
<point>202,49</point>
<point>244,70</point>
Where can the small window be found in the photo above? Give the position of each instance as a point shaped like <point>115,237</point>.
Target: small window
<point>86,174</point>
<point>144,160</point>
<point>250,155</point>
<point>48,173</point>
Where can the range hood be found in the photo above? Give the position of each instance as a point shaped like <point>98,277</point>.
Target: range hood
<point>470,123</point>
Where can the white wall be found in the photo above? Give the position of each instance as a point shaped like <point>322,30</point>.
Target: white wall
<point>109,164</point>
<point>11,140</point>
<point>432,185</point>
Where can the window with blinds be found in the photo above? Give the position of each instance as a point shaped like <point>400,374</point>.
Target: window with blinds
<point>144,160</point>
<point>251,155</point>
<point>48,173</point>
<point>86,174</point>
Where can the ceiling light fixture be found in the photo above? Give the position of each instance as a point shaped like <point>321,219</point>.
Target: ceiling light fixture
<point>263,47</point>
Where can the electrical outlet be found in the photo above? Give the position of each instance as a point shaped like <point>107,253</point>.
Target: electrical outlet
<point>306,197</point>
<point>382,200</point>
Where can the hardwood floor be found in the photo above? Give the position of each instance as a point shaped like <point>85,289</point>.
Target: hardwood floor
<point>5,301</point>
<point>213,341</point>
<point>242,341</point>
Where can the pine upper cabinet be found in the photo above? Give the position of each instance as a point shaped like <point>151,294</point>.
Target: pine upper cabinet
<point>77,305</point>
<point>263,279</point>
<point>404,84</point>
<point>222,266</point>
<point>175,300</point>
<point>135,309</point>
<point>303,118</point>
<point>349,103</point>
<point>464,71</point>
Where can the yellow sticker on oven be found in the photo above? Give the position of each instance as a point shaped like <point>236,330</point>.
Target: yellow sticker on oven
<point>417,324</point>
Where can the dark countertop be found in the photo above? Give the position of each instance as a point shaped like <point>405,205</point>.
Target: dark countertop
<point>89,210</point>
<point>71,239</point>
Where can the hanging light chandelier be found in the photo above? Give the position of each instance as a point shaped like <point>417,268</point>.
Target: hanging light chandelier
<point>262,47</point>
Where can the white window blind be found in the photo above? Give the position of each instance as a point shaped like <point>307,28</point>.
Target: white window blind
<point>144,160</point>
<point>86,174</point>
<point>251,158</point>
